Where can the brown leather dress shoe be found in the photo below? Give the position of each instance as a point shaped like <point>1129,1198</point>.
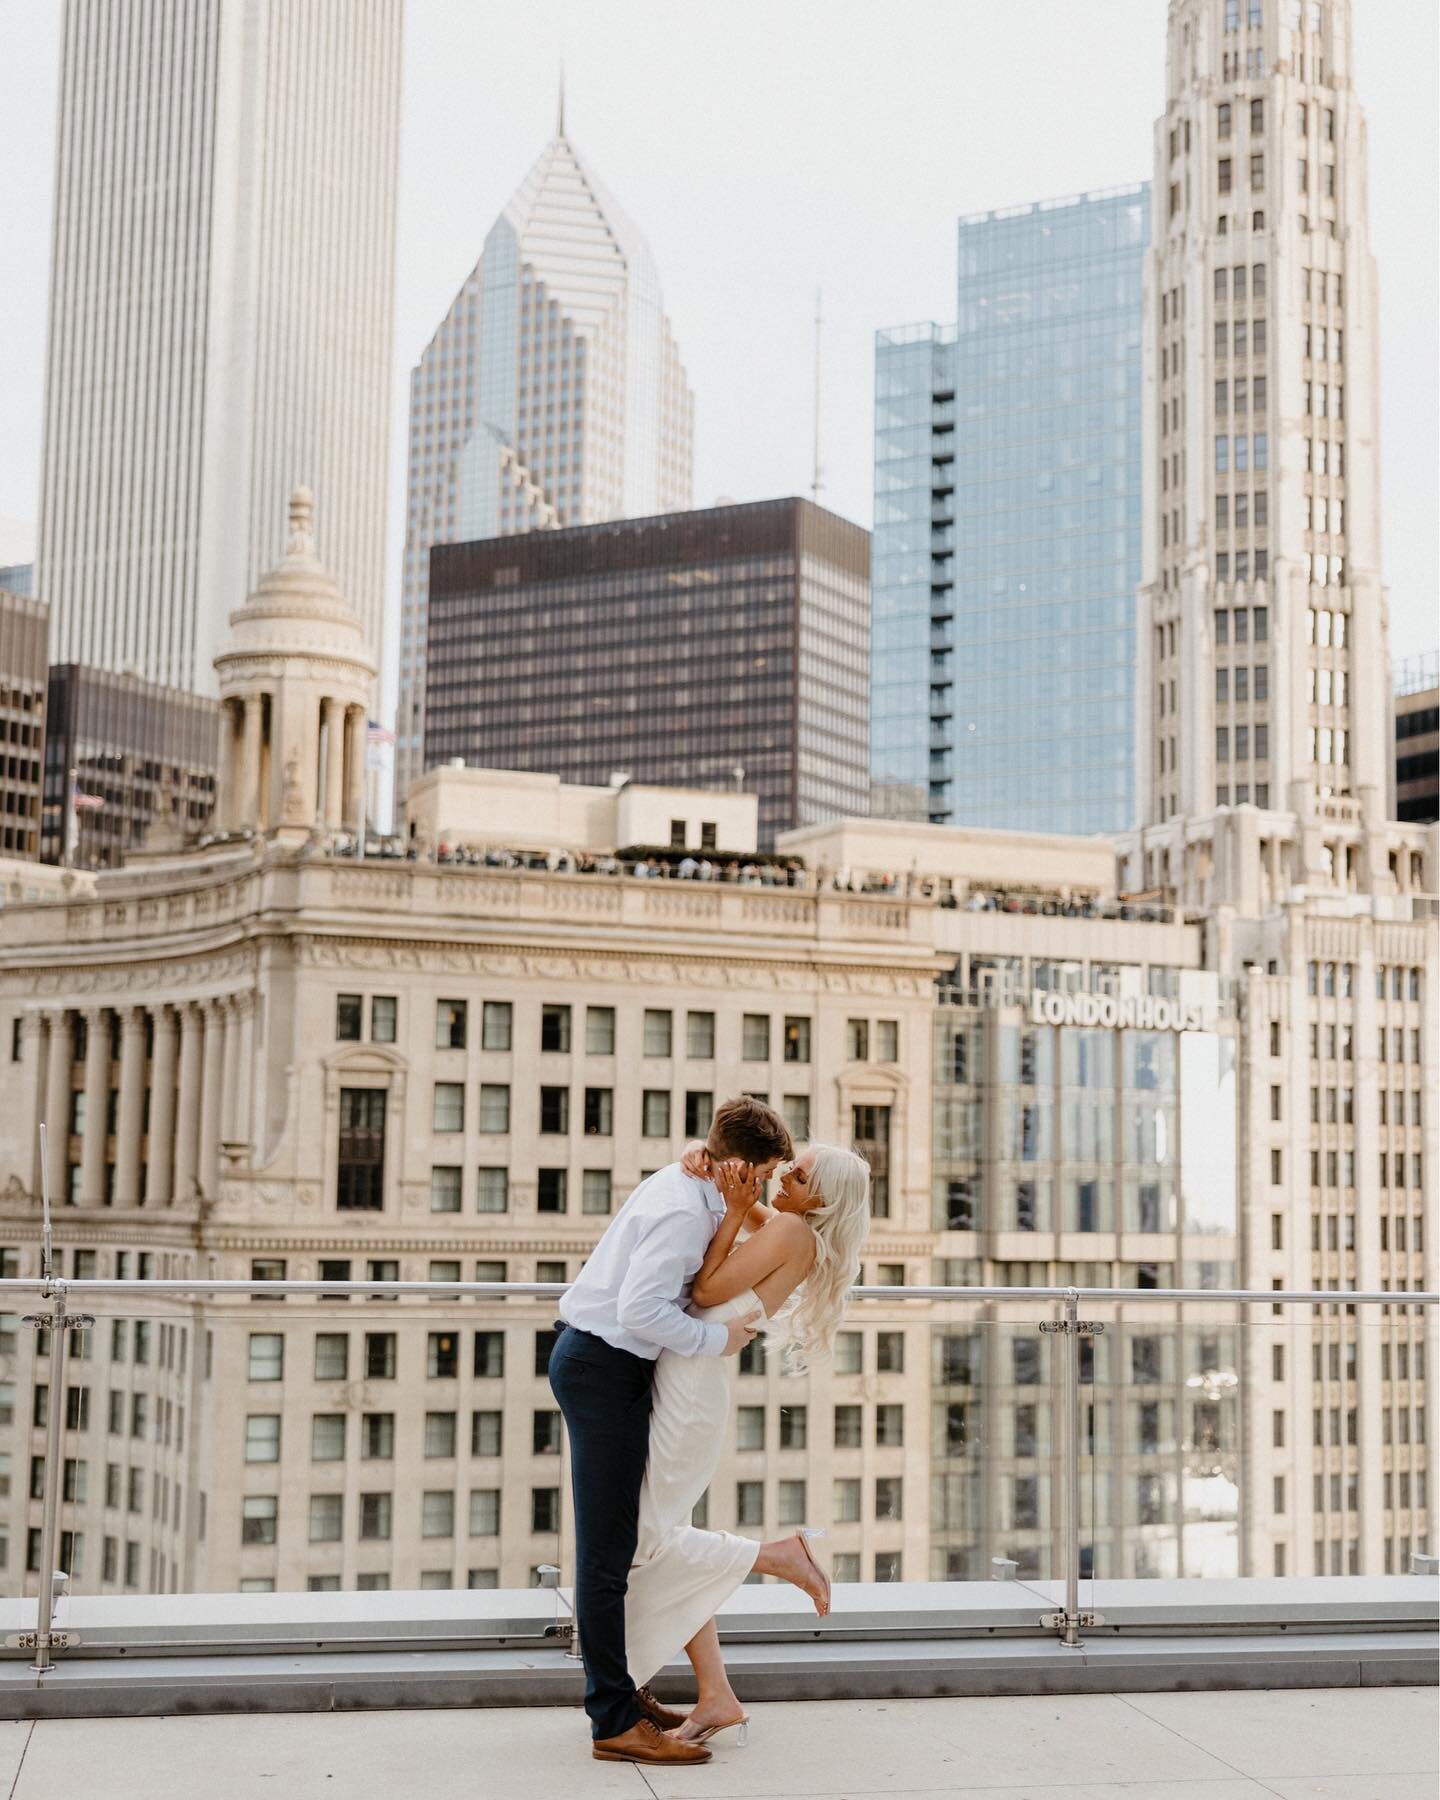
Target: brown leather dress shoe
<point>656,1713</point>
<point>644,1743</point>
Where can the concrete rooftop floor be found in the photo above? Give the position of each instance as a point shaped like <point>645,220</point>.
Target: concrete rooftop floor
<point>1310,1744</point>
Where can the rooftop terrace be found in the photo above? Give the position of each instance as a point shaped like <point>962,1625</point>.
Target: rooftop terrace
<point>1328,1744</point>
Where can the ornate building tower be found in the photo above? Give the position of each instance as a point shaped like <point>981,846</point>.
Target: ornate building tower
<point>1263,635</point>
<point>293,684</point>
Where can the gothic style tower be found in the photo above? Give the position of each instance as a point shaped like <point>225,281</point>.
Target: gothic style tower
<point>1263,618</point>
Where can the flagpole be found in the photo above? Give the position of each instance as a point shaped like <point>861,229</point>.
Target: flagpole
<point>71,821</point>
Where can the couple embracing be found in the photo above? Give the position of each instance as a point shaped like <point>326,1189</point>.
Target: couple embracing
<point>690,1268</point>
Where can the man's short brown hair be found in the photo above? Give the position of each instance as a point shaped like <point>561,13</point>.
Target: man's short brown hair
<point>750,1130</point>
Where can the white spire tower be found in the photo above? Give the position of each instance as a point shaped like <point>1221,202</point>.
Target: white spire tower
<point>551,394</point>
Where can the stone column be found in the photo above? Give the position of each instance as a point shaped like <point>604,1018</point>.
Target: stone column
<point>187,1104</point>
<point>354,763</point>
<point>131,1108</point>
<point>335,735</point>
<point>212,1097</point>
<point>249,787</point>
<point>56,1102</point>
<point>242,1079</point>
<point>97,1099</point>
<point>160,1160</point>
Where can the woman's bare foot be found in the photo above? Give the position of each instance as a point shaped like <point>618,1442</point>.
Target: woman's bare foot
<point>790,1560</point>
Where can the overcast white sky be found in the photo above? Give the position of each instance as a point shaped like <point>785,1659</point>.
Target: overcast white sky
<point>765,147</point>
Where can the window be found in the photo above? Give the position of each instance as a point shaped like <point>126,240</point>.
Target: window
<point>449,1024</point>
<point>857,1040</point>
<point>494,1108</point>
<point>442,1355</point>
<point>379,1355</point>
<point>445,1188</point>
<point>599,1112</point>
<point>496,1025</point>
<point>1225,175</point>
<point>554,1111</point>
<point>448,1110</point>
<point>755,1037</point>
<point>485,1433</point>
<point>888,1497</point>
<point>267,1356</point>
<point>595,1191</point>
<point>889,1427</point>
<point>489,1363</point>
<point>700,1036</point>
<point>846,1503</point>
<point>360,1173</point>
<point>555,1027</point>
<point>545,1432</point>
<point>887,1040</point>
<point>750,1428</point>
<point>550,1190</point>
<point>749,1502</point>
<point>262,1437</point>
<point>437,1513</point>
<point>326,1518</point>
<point>795,1110</point>
<point>375,1516</point>
<point>699,1110</point>
<point>382,1019</point>
<point>484,1512</point>
<point>327,1437</point>
<point>1257,111</point>
<point>349,1010</point>
<point>655,1113</point>
<point>792,1502</point>
<point>658,1032</point>
<point>797,1040</point>
<point>545,1509</point>
<point>848,1427</point>
<point>600,1030</point>
<point>332,1355</point>
<point>890,1352</point>
<point>258,1514</point>
<point>1223,121</point>
<point>849,1348</point>
<point>870,1135</point>
<point>377,1437</point>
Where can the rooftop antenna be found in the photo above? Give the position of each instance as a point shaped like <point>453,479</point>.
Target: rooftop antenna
<point>817,483</point>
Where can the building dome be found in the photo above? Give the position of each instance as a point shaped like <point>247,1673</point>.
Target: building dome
<point>295,681</point>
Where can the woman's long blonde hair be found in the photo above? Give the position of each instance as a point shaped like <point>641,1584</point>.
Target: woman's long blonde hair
<point>841,1224</point>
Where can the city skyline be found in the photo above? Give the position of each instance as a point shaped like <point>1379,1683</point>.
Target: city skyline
<point>880,245</point>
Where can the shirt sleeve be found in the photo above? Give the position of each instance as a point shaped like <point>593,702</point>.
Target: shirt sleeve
<point>662,1265</point>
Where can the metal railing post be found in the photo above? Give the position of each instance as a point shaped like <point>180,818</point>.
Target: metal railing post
<point>1070,1468</point>
<point>50,1511</point>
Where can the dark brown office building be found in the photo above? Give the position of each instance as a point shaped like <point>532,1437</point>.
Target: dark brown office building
<point>135,745</point>
<point>23,662</point>
<point>720,648</point>
<point>1417,741</point>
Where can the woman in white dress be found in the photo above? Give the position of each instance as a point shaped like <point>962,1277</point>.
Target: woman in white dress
<point>796,1265</point>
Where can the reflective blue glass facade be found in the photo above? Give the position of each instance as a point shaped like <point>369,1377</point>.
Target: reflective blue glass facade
<point>1007,529</point>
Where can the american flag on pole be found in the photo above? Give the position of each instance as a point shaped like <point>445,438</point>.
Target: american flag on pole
<point>377,741</point>
<point>86,802</point>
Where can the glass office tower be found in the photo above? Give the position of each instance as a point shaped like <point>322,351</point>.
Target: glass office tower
<point>1007,529</point>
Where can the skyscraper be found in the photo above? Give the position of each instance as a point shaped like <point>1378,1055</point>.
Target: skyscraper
<point>1264,733</point>
<point>1264,671</point>
<point>220,316</point>
<point>552,393</point>
<point>737,658</point>
<point>1007,528</point>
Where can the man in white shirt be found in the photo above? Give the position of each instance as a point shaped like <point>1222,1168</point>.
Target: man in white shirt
<point>625,1307</point>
